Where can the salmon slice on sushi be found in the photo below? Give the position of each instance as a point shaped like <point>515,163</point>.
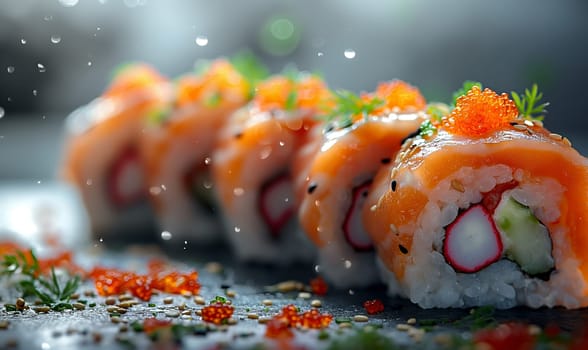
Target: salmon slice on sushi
<point>252,168</point>
<point>102,156</point>
<point>484,207</point>
<point>177,148</point>
<point>337,176</point>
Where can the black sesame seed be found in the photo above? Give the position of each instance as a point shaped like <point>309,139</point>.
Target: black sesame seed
<point>513,123</point>
<point>225,286</point>
<point>238,135</point>
<point>394,185</point>
<point>403,249</point>
<point>385,160</point>
<point>365,193</point>
<point>312,187</point>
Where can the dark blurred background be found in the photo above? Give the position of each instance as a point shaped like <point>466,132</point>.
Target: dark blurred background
<point>58,54</point>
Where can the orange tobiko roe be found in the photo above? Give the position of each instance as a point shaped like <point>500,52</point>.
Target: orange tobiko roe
<point>221,78</point>
<point>217,312</point>
<point>479,113</point>
<point>132,78</point>
<point>399,96</point>
<point>310,92</point>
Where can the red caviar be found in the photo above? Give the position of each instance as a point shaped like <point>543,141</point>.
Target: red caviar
<point>479,113</point>
<point>373,306</point>
<point>112,282</point>
<point>400,96</point>
<point>309,319</point>
<point>217,312</point>
<point>319,286</point>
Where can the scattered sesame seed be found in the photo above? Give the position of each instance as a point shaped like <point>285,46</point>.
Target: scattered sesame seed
<point>394,229</point>
<point>373,207</point>
<point>123,328</point>
<point>199,300</point>
<point>231,321</point>
<point>75,296</point>
<point>457,185</point>
<point>534,329</point>
<point>267,302</point>
<point>567,142</point>
<point>416,334</point>
<point>42,309</point>
<point>168,300</point>
<point>89,293</point>
<point>312,187</point>
<point>4,324</point>
<point>182,306</point>
<point>115,319</point>
<point>79,306</point>
<point>263,320</point>
<point>126,304</point>
<point>125,297</point>
<point>304,295</point>
<point>198,312</point>
<point>187,312</point>
<point>385,160</point>
<point>20,304</point>
<point>230,293</point>
<point>186,294</point>
<point>394,185</point>
<point>110,301</point>
<point>214,267</point>
<point>345,325</point>
<point>403,327</point>
<point>528,123</point>
<point>316,303</point>
<point>172,313</point>
<point>403,249</point>
<point>411,321</point>
<point>360,318</point>
<point>520,127</point>
<point>252,316</point>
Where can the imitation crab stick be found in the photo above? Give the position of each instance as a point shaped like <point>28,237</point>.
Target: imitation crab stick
<point>335,177</point>
<point>484,207</point>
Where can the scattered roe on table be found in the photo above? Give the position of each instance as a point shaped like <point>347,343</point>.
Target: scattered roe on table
<point>290,317</point>
<point>319,286</point>
<point>479,113</point>
<point>218,312</point>
<point>373,306</point>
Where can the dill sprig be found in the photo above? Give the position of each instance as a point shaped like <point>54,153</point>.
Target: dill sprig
<point>467,86</point>
<point>49,290</point>
<point>347,105</point>
<point>529,105</point>
<point>250,67</point>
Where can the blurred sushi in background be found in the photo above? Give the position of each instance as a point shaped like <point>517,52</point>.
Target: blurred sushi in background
<point>178,141</point>
<point>252,168</point>
<point>101,156</point>
<point>338,168</point>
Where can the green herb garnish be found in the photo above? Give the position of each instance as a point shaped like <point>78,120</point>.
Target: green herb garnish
<point>50,291</point>
<point>219,299</point>
<point>427,129</point>
<point>467,86</point>
<point>291,100</point>
<point>347,105</point>
<point>528,105</point>
<point>437,111</point>
<point>158,116</point>
<point>214,100</point>
<point>250,67</point>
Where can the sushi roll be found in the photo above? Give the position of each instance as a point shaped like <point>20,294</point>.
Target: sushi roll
<point>484,207</point>
<point>252,168</point>
<point>177,148</point>
<point>101,156</point>
<point>340,166</point>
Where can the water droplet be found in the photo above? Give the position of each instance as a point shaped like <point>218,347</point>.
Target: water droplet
<point>282,143</point>
<point>43,117</point>
<point>207,160</point>
<point>89,182</point>
<point>48,18</point>
<point>347,264</point>
<point>349,53</point>
<point>238,191</point>
<point>38,182</point>
<point>317,268</point>
<point>207,184</point>
<point>101,240</point>
<point>34,92</point>
<point>68,3</point>
<point>56,39</point>
<point>201,40</point>
<point>89,63</point>
<point>185,242</point>
<point>41,67</point>
<point>351,292</point>
<point>10,69</point>
<point>320,54</point>
<point>98,29</point>
<point>237,229</point>
<point>166,235</point>
<point>23,41</point>
<point>163,187</point>
<point>2,112</point>
<point>9,99</point>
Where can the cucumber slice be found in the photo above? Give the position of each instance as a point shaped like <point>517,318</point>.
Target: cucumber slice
<point>527,240</point>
